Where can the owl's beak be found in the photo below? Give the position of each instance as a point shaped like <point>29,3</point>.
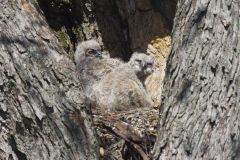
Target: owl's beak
<point>99,54</point>
<point>149,68</point>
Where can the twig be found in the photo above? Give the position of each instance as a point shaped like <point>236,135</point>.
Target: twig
<point>126,132</point>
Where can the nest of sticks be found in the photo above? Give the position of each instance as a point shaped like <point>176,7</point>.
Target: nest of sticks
<point>127,135</point>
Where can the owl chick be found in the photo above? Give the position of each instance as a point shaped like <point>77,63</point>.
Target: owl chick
<point>93,64</point>
<point>123,89</point>
<point>142,65</point>
<point>90,63</point>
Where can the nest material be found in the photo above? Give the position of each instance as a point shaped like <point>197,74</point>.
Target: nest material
<point>133,131</point>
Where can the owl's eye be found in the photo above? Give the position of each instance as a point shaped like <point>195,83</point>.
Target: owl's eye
<point>94,53</point>
<point>91,52</point>
<point>138,61</point>
<point>149,64</point>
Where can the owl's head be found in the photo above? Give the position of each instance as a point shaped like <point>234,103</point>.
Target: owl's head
<point>87,49</point>
<point>142,64</point>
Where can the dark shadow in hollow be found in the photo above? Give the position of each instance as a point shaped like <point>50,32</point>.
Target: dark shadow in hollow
<point>167,8</point>
<point>125,29</point>
<point>113,28</point>
<point>63,14</point>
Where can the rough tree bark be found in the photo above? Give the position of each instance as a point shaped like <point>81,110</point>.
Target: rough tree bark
<point>201,93</point>
<point>43,113</point>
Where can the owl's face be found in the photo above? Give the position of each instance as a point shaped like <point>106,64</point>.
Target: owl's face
<point>95,53</point>
<point>90,49</point>
<point>142,63</point>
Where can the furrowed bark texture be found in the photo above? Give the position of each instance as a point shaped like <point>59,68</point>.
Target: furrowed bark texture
<point>43,113</point>
<point>201,93</point>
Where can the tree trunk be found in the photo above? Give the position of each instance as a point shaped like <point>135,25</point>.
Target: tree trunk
<point>43,112</point>
<point>201,95</point>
